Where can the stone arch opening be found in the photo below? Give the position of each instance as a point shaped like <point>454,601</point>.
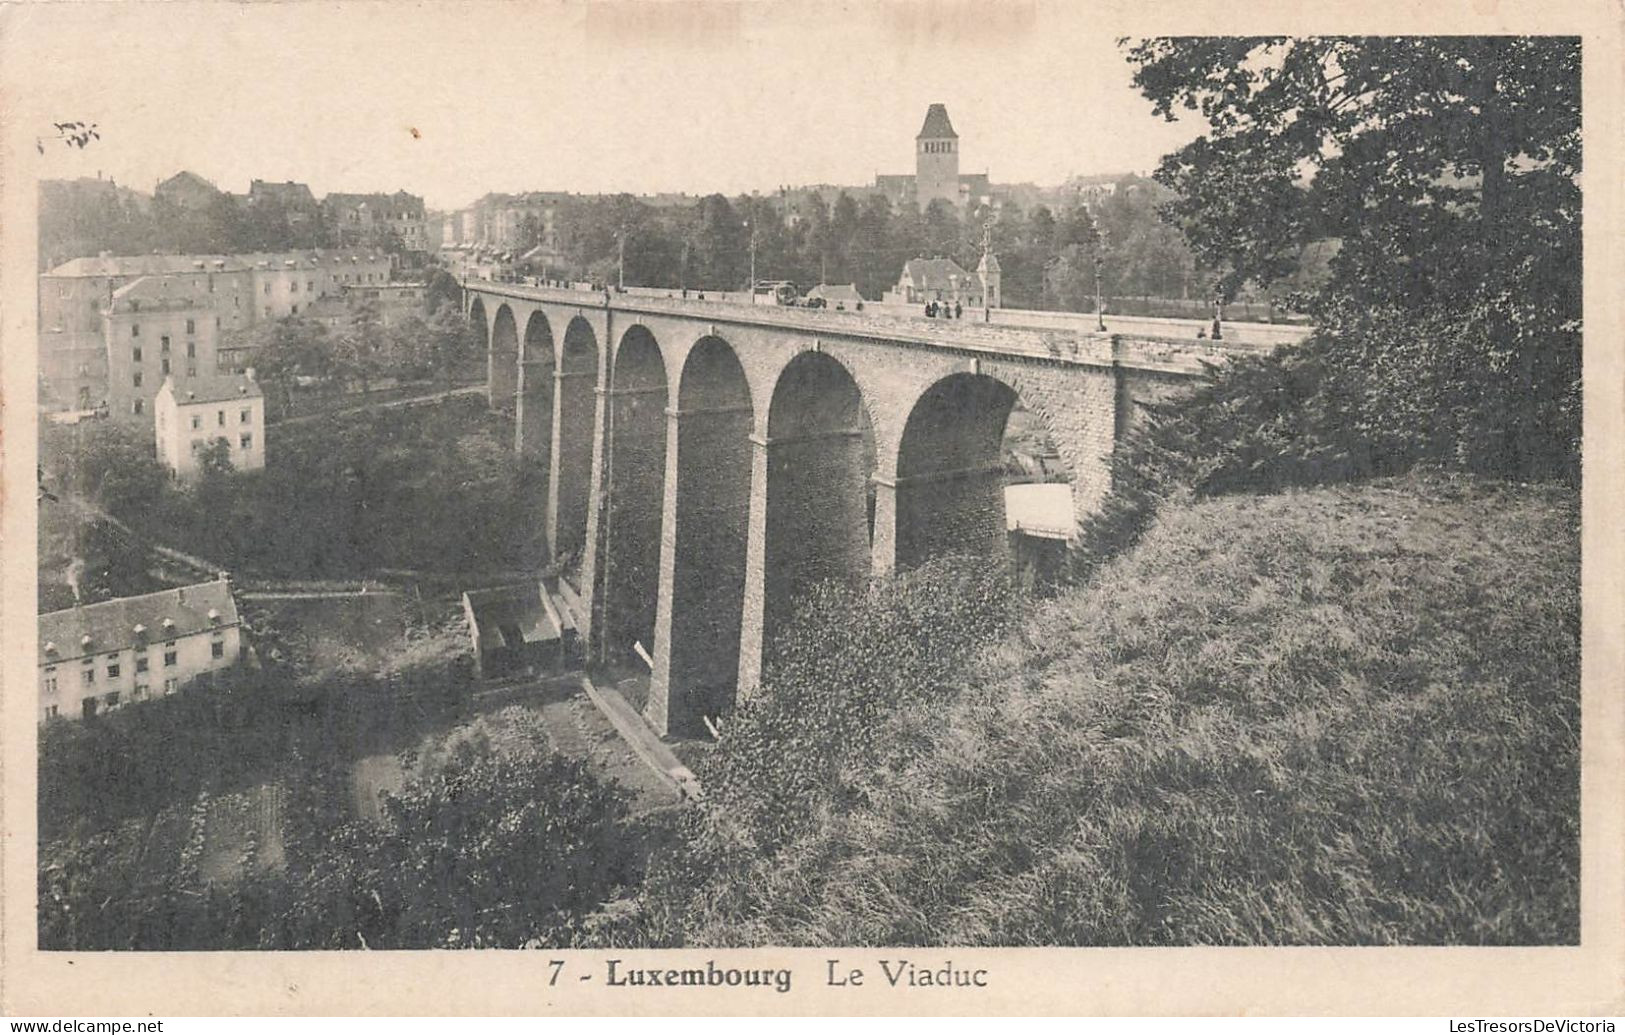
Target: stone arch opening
<point>967,439</point>
<point>502,374</point>
<point>574,407</point>
<point>819,465</point>
<point>635,476</point>
<point>534,432</point>
<point>714,421</point>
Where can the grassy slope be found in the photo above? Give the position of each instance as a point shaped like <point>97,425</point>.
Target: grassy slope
<point>1335,716</point>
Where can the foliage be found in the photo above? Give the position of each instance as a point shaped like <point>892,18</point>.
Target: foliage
<point>1268,724</point>
<point>799,748</point>
<point>430,488</point>
<point>1447,168</point>
<point>484,849</point>
<point>489,850</point>
<point>843,240</point>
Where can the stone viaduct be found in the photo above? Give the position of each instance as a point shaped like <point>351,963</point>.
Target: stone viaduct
<point>708,462</point>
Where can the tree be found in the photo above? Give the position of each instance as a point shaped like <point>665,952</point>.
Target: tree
<point>283,351</point>
<point>359,349</point>
<point>1446,166</point>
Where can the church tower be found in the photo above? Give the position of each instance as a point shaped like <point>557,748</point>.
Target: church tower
<point>936,159</point>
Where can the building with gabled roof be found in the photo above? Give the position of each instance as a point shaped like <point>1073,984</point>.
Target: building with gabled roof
<point>187,190</point>
<point>189,417</point>
<point>100,657</point>
<point>937,280</point>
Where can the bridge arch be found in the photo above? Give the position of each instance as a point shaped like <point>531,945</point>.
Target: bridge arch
<point>952,467</point>
<point>533,434</point>
<point>574,408</point>
<point>698,640</point>
<point>820,460</point>
<point>502,381</point>
<point>635,475</point>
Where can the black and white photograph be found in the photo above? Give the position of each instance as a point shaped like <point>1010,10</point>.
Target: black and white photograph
<point>646,481</point>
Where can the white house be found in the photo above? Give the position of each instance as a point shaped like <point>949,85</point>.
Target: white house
<point>187,419</point>
<point>99,657</point>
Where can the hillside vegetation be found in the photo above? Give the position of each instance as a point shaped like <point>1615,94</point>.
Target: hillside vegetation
<point>1343,715</point>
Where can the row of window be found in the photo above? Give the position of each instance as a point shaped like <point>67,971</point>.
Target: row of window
<point>939,147</point>
<point>191,328</point>
<point>110,700</point>
<point>87,675</point>
<point>243,417</point>
<point>163,368</point>
<point>245,442</point>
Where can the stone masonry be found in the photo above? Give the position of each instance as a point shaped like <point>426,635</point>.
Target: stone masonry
<point>710,462</point>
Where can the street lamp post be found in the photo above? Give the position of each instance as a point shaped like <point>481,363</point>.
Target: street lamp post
<point>1100,306</point>
<point>620,258</point>
<point>752,230</point>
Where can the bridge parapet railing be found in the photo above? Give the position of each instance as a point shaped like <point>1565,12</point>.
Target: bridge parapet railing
<point>1181,356</point>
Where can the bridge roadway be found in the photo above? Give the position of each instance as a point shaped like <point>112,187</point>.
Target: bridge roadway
<point>709,462</point>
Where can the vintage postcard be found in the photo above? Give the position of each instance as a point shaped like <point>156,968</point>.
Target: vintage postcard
<point>849,508</point>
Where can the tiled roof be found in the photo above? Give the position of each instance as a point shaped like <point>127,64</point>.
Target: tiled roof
<point>935,274</point>
<point>836,293</point>
<point>146,265</point>
<point>111,624</point>
<point>217,388</point>
<point>936,125</point>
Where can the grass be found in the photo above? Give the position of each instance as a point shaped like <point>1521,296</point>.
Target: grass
<point>1339,716</point>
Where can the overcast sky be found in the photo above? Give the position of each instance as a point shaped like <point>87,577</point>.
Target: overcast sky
<point>641,97</point>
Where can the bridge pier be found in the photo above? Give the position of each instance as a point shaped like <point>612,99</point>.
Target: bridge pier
<point>703,559</point>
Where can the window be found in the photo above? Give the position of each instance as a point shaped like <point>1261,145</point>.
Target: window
<point>135,354</point>
<point>217,649</point>
<point>135,330</point>
<point>191,350</point>
<point>112,670</point>
<point>87,676</point>
<point>50,711</point>
<point>191,325</point>
<point>50,681</point>
<point>242,418</point>
<point>211,283</point>
<point>163,365</point>
<point>267,288</point>
<point>293,289</point>
<point>112,699</point>
<point>294,309</point>
<point>170,685</point>
<point>163,343</point>
<point>197,421</point>
<point>217,323</point>
<point>137,406</point>
<point>141,663</point>
<point>139,693</point>
<point>169,655</point>
<point>135,379</point>
<point>219,418</point>
<point>246,440</point>
<point>310,285</point>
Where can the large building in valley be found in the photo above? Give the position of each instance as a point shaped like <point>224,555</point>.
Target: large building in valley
<point>100,657</point>
<point>112,328</point>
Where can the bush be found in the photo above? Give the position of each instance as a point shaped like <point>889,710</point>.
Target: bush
<point>1271,723</point>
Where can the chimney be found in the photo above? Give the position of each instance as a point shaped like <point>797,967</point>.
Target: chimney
<point>180,595</point>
